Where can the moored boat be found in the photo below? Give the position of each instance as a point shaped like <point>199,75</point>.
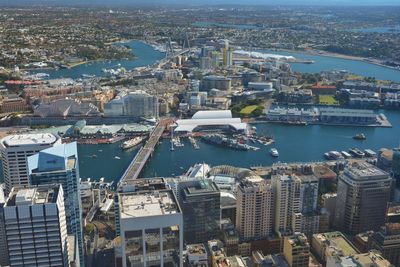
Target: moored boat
<point>132,142</point>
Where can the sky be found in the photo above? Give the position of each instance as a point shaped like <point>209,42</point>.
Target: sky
<point>207,2</point>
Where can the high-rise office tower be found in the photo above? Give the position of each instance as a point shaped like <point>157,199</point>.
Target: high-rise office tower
<point>151,229</point>
<point>254,208</point>
<point>59,164</point>
<point>285,193</point>
<point>15,149</point>
<point>387,241</point>
<point>396,166</point>
<point>35,225</point>
<point>362,197</point>
<point>296,250</point>
<point>200,203</point>
<point>296,198</point>
<point>3,241</point>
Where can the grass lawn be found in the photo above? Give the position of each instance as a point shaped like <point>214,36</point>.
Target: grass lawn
<point>248,110</point>
<point>328,100</point>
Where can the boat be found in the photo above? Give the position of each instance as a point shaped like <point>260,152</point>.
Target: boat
<point>88,76</point>
<point>370,153</point>
<point>345,154</point>
<point>356,153</point>
<point>219,139</point>
<point>333,155</point>
<point>360,136</point>
<point>116,157</point>
<point>94,156</point>
<point>132,142</point>
<point>274,152</point>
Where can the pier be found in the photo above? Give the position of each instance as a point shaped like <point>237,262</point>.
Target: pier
<point>139,161</point>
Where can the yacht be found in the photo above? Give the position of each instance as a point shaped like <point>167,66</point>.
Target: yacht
<point>274,152</point>
<point>345,154</point>
<point>132,142</point>
<point>356,153</point>
<point>360,136</point>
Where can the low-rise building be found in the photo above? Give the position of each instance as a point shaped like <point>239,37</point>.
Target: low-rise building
<point>326,245</point>
<point>296,250</point>
<point>369,259</point>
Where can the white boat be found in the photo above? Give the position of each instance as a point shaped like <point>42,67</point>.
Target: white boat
<point>274,152</point>
<point>370,153</point>
<point>132,142</point>
<point>345,154</point>
<point>116,157</point>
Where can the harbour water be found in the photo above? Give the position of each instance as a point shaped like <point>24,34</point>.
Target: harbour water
<point>294,143</point>
<point>145,56</point>
<point>331,63</point>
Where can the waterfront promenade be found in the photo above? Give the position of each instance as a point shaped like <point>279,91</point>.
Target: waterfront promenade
<point>135,167</point>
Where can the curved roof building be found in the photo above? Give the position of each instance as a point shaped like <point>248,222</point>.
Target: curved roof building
<point>211,120</point>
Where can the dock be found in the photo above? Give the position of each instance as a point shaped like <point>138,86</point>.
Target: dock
<point>139,161</point>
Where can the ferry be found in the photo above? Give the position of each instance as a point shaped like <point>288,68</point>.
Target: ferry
<point>274,152</point>
<point>360,136</point>
<point>356,153</point>
<point>334,155</point>
<point>370,153</point>
<point>132,142</point>
<point>345,154</point>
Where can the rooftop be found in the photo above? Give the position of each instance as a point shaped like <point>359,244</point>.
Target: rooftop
<point>201,187</point>
<point>371,258</point>
<point>29,139</point>
<point>148,203</point>
<point>33,195</point>
<point>359,170</point>
<point>298,240</point>
<point>337,242</point>
<point>196,249</point>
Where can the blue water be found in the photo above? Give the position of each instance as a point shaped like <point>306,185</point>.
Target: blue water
<point>225,25</point>
<point>294,143</point>
<point>395,29</point>
<point>145,55</point>
<point>330,63</point>
<point>104,164</point>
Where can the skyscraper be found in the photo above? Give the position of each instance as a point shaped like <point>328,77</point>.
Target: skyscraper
<point>151,229</point>
<point>3,241</point>
<point>35,227</point>
<point>15,149</point>
<point>387,241</point>
<point>396,166</point>
<point>59,164</point>
<point>200,203</point>
<point>296,197</point>
<point>362,197</point>
<point>254,208</point>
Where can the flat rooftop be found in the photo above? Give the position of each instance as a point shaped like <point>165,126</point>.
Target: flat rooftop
<point>33,195</point>
<point>298,240</point>
<point>201,187</point>
<point>337,241</point>
<point>29,139</point>
<point>364,169</point>
<point>150,203</point>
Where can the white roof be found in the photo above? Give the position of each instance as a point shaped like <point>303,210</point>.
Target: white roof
<point>190,124</point>
<point>212,114</point>
<point>29,139</point>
